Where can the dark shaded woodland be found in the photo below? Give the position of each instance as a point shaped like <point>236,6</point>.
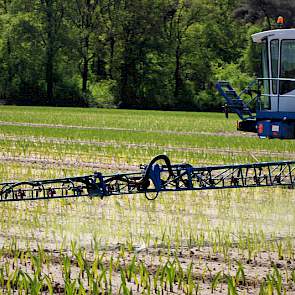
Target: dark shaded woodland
<point>161,54</point>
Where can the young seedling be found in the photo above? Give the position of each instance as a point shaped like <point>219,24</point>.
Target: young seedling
<point>215,281</point>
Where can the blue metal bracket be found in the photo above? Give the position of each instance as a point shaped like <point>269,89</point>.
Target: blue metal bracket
<point>154,178</point>
<point>233,100</point>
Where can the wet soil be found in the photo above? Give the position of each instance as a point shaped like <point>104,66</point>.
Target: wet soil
<point>205,266</point>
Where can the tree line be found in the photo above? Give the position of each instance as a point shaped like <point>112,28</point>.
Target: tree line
<point>164,54</point>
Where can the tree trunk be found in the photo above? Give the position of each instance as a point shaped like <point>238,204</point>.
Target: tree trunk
<point>49,52</point>
<point>268,22</point>
<point>85,49</point>
<point>49,74</point>
<point>112,51</point>
<point>127,82</point>
<point>177,75</point>
<point>124,82</point>
<point>7,88</point>
<point>85,67</point>
<point>85,77</point>
<point>8,84</point>
<point>9,61</point>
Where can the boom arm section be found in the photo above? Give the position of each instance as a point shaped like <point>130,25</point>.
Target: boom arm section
<point>153,179</point>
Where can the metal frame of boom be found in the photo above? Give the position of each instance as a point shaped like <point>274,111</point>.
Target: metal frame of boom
<point>153,179</point>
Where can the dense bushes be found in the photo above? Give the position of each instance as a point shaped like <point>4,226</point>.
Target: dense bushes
<point>139,53</point>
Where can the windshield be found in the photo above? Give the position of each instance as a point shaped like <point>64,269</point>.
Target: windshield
<point>274,53</point>
<point>265,66</point>
<point>265,74</point>
<point>287,65</point>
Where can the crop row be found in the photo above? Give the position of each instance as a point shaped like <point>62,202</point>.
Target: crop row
<point>233,241</point>
<point>126,272</point>
<point>136,120</point>
<point>223,224</point>
<point>251,144</point>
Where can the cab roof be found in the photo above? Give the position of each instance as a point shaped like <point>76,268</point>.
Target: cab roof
<point>274,34</point>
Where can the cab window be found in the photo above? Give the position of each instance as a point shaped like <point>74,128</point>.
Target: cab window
<point>287,66</point>
<point>274,52</point>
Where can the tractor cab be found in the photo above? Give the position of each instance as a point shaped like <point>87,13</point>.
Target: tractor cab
<point>278,70</point>
<point>275,93</point>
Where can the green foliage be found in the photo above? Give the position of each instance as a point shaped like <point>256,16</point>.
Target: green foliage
<point>110,53</point>
<point>251,59</point>
<point>102,94</point>
<point>232,73</point>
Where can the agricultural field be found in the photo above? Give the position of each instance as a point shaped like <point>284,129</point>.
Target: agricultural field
<point>208,242</point>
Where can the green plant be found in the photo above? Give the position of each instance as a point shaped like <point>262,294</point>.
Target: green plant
<point>215,281</point>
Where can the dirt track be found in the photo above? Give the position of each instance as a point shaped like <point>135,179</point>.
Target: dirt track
<point>68,163</point>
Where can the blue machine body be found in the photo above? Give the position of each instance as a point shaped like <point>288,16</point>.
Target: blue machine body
<point>271,111</point>
<point>273,129</point>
